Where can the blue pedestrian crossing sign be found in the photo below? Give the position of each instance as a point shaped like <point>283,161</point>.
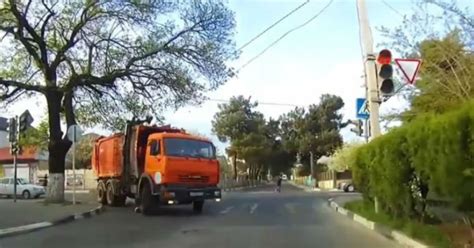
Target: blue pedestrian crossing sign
<point>362,109</point>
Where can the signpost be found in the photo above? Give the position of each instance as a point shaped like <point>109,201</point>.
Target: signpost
<point>74,134</point>
<point>409,68</point>
<point>362,111</point>
<point>17,126</point>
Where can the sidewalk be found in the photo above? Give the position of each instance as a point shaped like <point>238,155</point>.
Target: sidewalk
<point>310,189</point>
<point>30,211</point>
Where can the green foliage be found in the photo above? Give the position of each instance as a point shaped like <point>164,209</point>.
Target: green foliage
<point>273,144</point>
<point>432,152</point>
<point>441,33</point>
<point>344,157</point>
<point>83,152</point>
<point>314,130</point>
<point>446,80</point>
<point>37,137</point>
<point>251,137</point>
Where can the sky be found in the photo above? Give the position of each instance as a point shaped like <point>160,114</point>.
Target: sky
<point>322,57</point>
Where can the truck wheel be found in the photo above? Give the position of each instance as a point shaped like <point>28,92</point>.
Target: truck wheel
<point>147,201</point>
<point>112,198</point>
<point>109,194</point>
<point>197,206</point>
<point>101,193</point>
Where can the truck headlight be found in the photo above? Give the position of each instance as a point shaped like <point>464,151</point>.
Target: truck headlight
<point>157,177</point>
<point>217,193</point>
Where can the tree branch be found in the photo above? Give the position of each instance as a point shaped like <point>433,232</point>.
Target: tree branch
<point>156,51</point>
<point>71,41</point>
<point>49,16</point>
<point>23,23</point>
<point>28,87</point>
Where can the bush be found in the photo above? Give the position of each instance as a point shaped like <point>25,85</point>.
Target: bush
<point>432,151</point>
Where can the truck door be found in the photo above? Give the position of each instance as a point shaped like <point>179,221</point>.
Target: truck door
<point>154,158</point>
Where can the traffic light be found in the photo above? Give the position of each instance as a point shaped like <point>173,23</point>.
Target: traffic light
<point>385,72</point>
<point>25,121</point>
<point>358,127</point>
<point>12,130</point>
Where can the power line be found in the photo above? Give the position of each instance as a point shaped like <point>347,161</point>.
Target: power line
<point>273,25</point>
<point>392,8</point>
<point>261,103</point>
<point>287,33</point>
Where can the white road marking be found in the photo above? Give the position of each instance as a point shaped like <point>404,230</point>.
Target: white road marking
<point>253,208</point>
<point>225,211</point>
<point>260,192</point>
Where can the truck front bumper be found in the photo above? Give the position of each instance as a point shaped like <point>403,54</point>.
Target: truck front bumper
<point>185,195</point>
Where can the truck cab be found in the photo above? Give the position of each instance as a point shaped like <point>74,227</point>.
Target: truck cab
<point>182,168</point>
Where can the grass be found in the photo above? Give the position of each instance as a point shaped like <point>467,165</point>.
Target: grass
<point>428,234</point>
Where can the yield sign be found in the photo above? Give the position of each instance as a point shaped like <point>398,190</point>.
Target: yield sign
<point>409,67</point>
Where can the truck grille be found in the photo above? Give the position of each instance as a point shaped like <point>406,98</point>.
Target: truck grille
<point>193,179</point>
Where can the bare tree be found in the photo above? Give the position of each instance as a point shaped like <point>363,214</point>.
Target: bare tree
<point>84,55</point>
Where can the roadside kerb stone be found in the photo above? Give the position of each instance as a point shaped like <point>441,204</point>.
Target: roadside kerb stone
<point>11,231</point>
<point>376,227</point>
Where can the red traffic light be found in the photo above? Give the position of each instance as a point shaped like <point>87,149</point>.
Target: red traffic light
<point>385,57</point>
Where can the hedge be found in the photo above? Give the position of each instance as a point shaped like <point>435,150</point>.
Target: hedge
<point>435,151</point>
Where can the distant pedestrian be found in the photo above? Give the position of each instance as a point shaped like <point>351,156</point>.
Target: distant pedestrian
<point>279,179</point>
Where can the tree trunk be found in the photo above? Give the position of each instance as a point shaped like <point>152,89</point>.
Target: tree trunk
<point>258,172</point>
<point>57,148</point>
<point>235,166</point>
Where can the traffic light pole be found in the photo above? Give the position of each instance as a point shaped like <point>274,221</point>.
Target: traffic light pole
<point>14,175</point>
<point>367,131</point>
<point>370,72</point>
<point>15,164</point>
<point>311,162</point>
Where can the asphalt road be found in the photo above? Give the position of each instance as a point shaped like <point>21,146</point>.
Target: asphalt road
<point>255,218</point>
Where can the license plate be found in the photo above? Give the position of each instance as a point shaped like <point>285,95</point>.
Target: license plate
<point>196,194</point>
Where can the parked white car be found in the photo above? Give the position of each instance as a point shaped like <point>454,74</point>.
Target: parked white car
<point>23,188</point>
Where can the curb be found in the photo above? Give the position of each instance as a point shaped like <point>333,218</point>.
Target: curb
<point>241,188</point>
<point>378,228</point>
<point>12,231</point>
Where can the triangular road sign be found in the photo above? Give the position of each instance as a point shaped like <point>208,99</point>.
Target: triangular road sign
<point>409,68</point>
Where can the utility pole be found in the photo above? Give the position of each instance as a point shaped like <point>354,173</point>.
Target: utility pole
<point>15,173</point>
<point>367,131</point>
<point>13,138</point>
<point>370,72</point>
<point>311,163</point>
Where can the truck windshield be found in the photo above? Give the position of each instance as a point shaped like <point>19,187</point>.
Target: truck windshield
<point>188,148</point>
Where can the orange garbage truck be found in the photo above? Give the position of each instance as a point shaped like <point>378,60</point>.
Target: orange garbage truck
<point>155,166</point>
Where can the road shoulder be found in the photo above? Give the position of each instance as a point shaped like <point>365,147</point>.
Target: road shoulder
<point>376,227</point>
